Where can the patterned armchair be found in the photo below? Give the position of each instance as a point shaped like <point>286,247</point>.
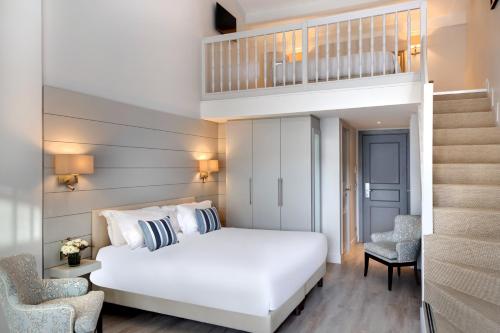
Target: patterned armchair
<point>31,304</point>
<point>397,248</point>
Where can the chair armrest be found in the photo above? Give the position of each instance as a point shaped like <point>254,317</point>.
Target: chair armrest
<point>60,288</point>
<point>383,236</point>
<point>408,250</point>
<point>42,318</point>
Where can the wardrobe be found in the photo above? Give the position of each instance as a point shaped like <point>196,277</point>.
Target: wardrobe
<point>272,174</point>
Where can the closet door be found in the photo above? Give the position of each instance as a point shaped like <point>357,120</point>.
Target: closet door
<point>296,174</point>
<point>239,174</point>
<point>266,174</point>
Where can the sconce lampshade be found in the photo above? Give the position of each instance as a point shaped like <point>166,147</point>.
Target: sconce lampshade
<point>67,164</point>
<point>213,166</point>
<point>209,166</point>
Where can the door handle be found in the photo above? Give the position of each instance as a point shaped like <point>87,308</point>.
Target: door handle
<point>250,189</point>
<point>280,192</point>
<point>367,190</point>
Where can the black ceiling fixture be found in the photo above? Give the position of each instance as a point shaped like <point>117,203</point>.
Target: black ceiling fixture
<point>225,23</point>
<point>493,3</point>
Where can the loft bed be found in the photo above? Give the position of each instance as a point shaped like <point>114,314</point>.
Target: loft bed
<point>378,42</point>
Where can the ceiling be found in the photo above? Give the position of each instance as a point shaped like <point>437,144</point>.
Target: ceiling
<point>394,116</point>
<point>441,12</point>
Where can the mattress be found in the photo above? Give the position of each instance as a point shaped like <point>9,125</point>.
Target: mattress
<point>241,270</point>
<point>379,58</point>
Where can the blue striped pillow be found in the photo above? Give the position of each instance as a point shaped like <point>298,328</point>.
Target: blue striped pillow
<point>158,233</point>
<point>207,220</point>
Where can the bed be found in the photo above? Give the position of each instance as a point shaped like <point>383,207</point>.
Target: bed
<point>244,279</point>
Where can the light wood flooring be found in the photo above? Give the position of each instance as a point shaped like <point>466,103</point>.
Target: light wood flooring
<point>348,302</point>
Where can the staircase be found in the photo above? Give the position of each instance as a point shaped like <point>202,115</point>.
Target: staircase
<point>462,257</point>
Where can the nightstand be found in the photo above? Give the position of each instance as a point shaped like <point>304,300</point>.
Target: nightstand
<point>87,266</point>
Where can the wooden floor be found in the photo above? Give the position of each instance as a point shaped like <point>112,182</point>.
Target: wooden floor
<point>348,302</point>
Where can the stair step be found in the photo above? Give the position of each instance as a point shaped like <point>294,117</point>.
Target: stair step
<point>462,105</point>
<point>466,196</point>
<point>463,95</point>
<point>467,313</point>
<point>479,174</point>
<point>467,136</point>
<point>465,120</point>
<point>467,154</point>
<point>482,284</point>
<point>464,251</point>
<point>467,222</point>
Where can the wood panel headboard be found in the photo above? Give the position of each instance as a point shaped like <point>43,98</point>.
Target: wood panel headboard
<point>100,236</point>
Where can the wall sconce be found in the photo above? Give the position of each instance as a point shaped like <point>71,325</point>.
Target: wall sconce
<point>206,167</point>
<point>68,167</point>
<point>415,45</point>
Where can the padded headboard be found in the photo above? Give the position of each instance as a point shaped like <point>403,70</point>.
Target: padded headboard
<point>100,236</point>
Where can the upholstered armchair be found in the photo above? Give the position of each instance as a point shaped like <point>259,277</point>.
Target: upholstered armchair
<point>397,248</point>
<point>31,304</point>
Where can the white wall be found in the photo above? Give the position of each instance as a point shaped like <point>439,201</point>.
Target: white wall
<point>483,51</point>
<point>415,179</point>
<point>20,130</point>
<point>447,57</point>
<point>330,186</point>
<point>144,53</point>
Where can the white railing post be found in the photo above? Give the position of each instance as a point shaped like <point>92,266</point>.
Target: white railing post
<point>283,66</point>
<point>203,69</point>
<point>316,49</point>
<point>384,44</point>
<point>338,51</point>
<point>274,60</point>
<point>360,47</point>
<point>423,42</point>
<point>238,63</point>
<point>256,65</point>
<point>396,46</point>
<point>349,49</point>
<point>372,45</point>
<point>229,68</point>
<point>293,56</point>
<point>305,53</point>
<point>265,61</point>
<point>246,60</point>
<point>213,66</point>
<point>327,38</point>
<point>221,68</point>
<point>408,37</point>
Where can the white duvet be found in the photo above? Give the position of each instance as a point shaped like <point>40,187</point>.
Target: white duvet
<point>240,270</point>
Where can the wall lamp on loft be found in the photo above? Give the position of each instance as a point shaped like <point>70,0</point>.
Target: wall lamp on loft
<point>69,166</point>
<point>207,167</point>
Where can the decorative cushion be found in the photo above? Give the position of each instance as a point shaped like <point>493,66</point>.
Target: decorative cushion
<point>158,233</point>
<point>382,249</point>
<point>186,215</point>
<point>208,220</point>
<point>407,227</point>
<point>87,308</point>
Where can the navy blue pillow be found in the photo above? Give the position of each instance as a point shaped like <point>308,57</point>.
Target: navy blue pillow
<point>207,220</point>
<point>158,233</point>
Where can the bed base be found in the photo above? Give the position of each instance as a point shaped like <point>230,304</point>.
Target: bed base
<point>235,320</point>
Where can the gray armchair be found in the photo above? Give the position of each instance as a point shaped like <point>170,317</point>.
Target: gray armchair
<point>397,248</point>
<point>31,304</point>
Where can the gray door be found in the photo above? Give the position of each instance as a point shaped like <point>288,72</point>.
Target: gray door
<point>266,174</point>
<point>239,174</point>
<point>385,179</point>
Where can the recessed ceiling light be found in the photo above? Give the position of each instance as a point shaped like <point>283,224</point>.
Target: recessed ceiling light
<point>379,122</point>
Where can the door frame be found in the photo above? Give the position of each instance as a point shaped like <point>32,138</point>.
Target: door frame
<point>360,193</point>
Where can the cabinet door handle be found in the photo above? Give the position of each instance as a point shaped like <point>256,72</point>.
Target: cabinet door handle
<point>280,192</point>
<point>250,189</point>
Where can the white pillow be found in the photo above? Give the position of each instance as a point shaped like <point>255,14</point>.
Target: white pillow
<point>171,211</point>
<point>129,226</point>
<point>186,215</point>
<point>114,233</point>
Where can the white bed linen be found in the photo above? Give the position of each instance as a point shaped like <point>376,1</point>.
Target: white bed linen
<point>240,270</point>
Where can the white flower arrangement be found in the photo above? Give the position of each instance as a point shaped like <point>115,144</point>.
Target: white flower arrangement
<point>71,246</point>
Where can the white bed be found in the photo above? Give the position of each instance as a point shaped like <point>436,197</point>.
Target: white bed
<point>249,280</point>
<point>241,270</point>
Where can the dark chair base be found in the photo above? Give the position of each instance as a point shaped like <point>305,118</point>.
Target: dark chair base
<point>390,267</point>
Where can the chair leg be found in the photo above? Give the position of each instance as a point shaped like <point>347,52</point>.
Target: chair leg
<point>416,273</point>
<point>366,263</point>
<point>389,275</point>
<point>320,283</point>
<point>399,271</point>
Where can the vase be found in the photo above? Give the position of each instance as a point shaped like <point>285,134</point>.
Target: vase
<point>74,259</point>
